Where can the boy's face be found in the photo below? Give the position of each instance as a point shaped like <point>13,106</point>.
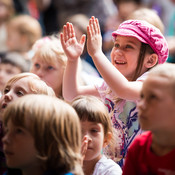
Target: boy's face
<point>157,105</point>
<point>7,71</point>
<point>19,147</point>
<point>52,74</point>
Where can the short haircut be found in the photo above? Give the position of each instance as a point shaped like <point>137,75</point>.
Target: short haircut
<point>166,70</point>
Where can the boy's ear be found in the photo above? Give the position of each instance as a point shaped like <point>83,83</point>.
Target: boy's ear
<point>107,139</point>
<point>151,60</point>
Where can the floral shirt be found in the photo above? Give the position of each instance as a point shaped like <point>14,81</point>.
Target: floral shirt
<point>124,116</point>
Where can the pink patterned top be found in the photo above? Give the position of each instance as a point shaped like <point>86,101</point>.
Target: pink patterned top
<point>124,116</point>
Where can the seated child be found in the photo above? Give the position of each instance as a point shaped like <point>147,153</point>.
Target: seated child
<point>49,62</point>
<point>11,63</point>
<point>42,138</point>
<point>97,132</point>
<point>18,86</point>
<point>153,152</point>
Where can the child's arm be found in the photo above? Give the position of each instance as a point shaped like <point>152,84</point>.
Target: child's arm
<point>73,50</point>
<point>116,81</point>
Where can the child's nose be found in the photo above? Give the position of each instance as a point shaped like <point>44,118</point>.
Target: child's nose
<point>8,96</point>
<point>39,73</point>
<point>88,138</point>
<point>141,104</point>
<point>6,139</point>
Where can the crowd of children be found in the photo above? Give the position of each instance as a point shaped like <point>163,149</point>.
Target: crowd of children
<point>54,121</point>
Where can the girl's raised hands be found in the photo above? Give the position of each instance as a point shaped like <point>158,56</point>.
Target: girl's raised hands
<point>94,38</point>
<point>72,48</point>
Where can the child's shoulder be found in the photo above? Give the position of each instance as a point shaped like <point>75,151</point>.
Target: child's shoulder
<point>107,166</point>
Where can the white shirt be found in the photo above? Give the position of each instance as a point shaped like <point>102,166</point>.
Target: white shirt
<point>107,166</point>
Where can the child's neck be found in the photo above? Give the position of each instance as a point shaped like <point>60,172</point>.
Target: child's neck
<point>162,144</point>
<point>89,166</point>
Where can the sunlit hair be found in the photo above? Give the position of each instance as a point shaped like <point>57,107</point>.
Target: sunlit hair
<point>91,108</point>
<point>28,26</point>
<point>167,71</point>
<point>49,50</point>
<point>148,15</point>
<point>36,85</point>
<point>55,127</point>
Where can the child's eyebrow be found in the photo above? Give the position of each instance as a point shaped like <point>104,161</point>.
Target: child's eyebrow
<point>21,88</point>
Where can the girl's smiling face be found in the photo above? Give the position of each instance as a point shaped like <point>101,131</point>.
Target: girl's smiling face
<point>125,54</point>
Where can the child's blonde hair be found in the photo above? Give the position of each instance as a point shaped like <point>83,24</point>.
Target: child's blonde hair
<point>55,128</point>
<point>28,26</point>
<point>36,85</point>
<point>166,70</point>
<point>148,15</point>
<point>49,50</point>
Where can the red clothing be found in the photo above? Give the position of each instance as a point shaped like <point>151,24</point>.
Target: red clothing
<point>141,161</point>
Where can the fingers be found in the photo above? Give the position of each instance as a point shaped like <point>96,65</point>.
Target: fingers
<point>68,31</point>
<point>93,27</point>
<point>84,146</point>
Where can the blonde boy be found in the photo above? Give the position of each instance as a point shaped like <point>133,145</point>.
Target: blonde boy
<point>154,151</point>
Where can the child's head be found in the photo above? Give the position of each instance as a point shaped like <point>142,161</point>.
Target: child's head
<point>22,84</point>
<point>6,10</point>
<point>157,99</point>
<point>125,7</point>
<point>148,15</point>
<point>95,124</point>
<point>11,63</point>
<point>48,136</point>
<point>49,62</point>
<point>138,46</point>
<point>23,31</point>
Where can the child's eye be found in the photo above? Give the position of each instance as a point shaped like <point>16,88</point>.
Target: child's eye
<point>50,67</point>
<point>128,47</point>
<point>141,96</point>
<point>116,45</point>
<point>6,90</point>
<point>20,93</point>
<point>94,130</point>
<point>152,96</point>
<point>37,65</point>
<point>18,130</point>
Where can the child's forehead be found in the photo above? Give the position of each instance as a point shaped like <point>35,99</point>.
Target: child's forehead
<point>157,84</point>
<point>90,123</point>
<point>126,38</point>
